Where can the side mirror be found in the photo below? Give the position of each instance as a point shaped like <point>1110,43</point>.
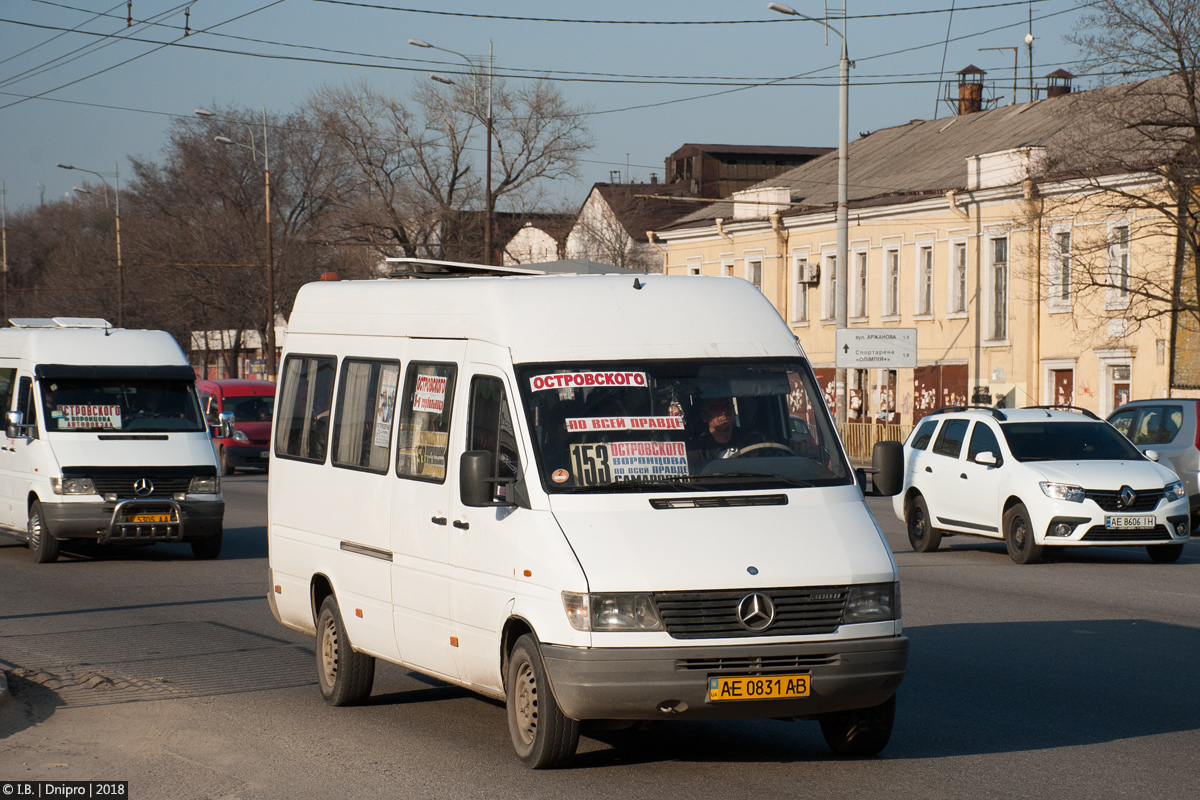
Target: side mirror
<point>476,485</point>
<point>987,458</point>
<point>1150,454</point>
<point>14,420</point>
<point>888,460</point>
<point>225,424</point>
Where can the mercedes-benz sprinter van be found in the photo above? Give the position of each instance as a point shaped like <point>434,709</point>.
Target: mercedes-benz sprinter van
<point>585,496</point>
<point>104,439</point>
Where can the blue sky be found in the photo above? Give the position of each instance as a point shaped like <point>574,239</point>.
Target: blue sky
<point>99,99</point>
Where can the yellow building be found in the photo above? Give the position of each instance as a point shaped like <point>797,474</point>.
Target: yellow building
<point>1031,276</point>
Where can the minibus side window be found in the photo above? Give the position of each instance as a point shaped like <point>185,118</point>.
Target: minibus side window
<point>8,376</point>
<point>306,398</point>
<point>26,406</point>
<point>425,421</point>
<point>491,428</point>
<point>362,435</point>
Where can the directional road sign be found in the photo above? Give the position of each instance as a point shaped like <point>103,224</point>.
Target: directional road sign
<point>884,348</point>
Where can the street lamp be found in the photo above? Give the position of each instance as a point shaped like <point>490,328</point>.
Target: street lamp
<point>488,202</point>
<point>269,350</point>
<point>117,196</point>
<point>840,303</point>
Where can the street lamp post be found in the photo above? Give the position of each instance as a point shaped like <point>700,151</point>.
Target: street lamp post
<point>117,199</point>
<point>269,350</point>
<point>488,201</point>
<point>840,296</point>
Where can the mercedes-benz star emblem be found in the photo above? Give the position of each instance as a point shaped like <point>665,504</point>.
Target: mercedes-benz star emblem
<point>143,487</point>
<point>1127,497</point>
<point>756,612</point>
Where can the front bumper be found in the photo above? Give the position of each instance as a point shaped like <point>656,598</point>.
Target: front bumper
<point>241,456</point>
<point>198,519</point>
<point>672,682</point>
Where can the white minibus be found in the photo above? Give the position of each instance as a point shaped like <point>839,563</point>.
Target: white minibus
<point>601,499</point>
<point>104,439</point>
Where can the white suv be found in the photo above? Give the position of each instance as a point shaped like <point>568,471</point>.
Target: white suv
<point>1037,477</point>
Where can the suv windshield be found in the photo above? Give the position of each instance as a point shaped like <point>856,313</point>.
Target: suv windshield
<point>1067,441</point>
<point>248,408</point>
<point>111,404</point>
<point>694,424</point>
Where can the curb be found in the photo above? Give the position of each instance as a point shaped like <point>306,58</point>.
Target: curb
<point>5,695</point>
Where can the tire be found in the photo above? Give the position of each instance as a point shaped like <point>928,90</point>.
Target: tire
<point>542,736</point>
<point>1164,553</point>
<point>922,536</point>
<point>209,548</point>
<point>42,544</point>
<point>859,732</point>
<point>223,462</point>
<point>1018,536</point>
<point>343,675</point>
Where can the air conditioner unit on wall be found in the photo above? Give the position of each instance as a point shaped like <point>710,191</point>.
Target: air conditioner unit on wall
<point>810,274</point>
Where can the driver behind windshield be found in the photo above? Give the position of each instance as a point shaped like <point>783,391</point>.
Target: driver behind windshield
<point>719,437</point>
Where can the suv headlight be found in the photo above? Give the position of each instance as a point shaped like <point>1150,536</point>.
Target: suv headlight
<point>872,602</point>
<point>73,486</point>
<point>611,612</point>
<point>1062,491</point>
<point>240,436</point>
<point>205,485</point>
<point>1174,491</point>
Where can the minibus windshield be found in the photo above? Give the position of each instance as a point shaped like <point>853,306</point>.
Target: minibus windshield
<point>687,425</point>
<point>111,405</point>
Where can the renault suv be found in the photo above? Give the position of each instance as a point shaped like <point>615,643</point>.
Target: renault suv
<point>1037,478</point>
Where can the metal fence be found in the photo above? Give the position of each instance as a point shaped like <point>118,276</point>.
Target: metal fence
<point>860,437</point>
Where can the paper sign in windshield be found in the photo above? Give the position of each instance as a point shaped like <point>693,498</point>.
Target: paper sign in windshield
<point>430,394</point>
<point>567,380</point>
<point>625,424</point>
<point>82,417</point>
<point>633,461</point>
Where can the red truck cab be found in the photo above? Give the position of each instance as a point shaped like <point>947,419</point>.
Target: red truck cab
<point>253,406</point>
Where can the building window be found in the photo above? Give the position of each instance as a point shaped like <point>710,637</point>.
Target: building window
<point>694,265</point>
<point>958,291</point>
<point>800,294</point>
<point>892,261</point>
<point>925,281</point>
<point>859,284</point>
<point>727,267</point>
<point>754,272</point>
<point>999,288</point>
<point>829,296</point>
<point>1119,265</point>
<point>1063,251</point>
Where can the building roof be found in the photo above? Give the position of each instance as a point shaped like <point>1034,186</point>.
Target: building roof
<point>929,157</point>
<point>749,149</point>
<point>638,214</point>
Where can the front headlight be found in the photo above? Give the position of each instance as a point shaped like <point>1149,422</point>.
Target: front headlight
<point>872,602</point>
<point>239,436</point>
<point>1174,491</point>
<point>202,485</point>
<point>611,612</point>
<point>1062,491</point>
<point>72,486</point>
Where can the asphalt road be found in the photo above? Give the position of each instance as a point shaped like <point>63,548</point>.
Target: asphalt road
<point>1069,679</point>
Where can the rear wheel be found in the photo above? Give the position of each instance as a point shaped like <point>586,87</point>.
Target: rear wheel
<point>1018,536</point>
<point>1165,553</point>
<point>344,676</point>
<point>541,734</point>
<point>209,548</point>
<point>861,731</point>
<point>923,537</point>
<point>223,460</point>
<point>41,543</point>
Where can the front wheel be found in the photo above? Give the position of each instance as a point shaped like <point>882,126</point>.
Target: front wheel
<point>223,462</point>
<point>860,732</point>
<point>1018,536</point>
<point>42,544</point>
<point>541,734</point>
<point>922,536</point>
<point>1164,553</point>
<point>345,676</point>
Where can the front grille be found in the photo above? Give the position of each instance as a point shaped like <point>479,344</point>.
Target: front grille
<point>756,665</point>
<point>123,487</point>
<point>1099,533</point>
<point>120,480</point>
<point>1147,500</point>
<point>713,614</point>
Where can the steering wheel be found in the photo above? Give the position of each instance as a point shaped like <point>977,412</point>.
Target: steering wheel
<point>762,446</point>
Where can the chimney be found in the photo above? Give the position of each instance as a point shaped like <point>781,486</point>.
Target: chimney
<point>970,90</point>
<point>653,178</point>
<point>1058,83</point>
